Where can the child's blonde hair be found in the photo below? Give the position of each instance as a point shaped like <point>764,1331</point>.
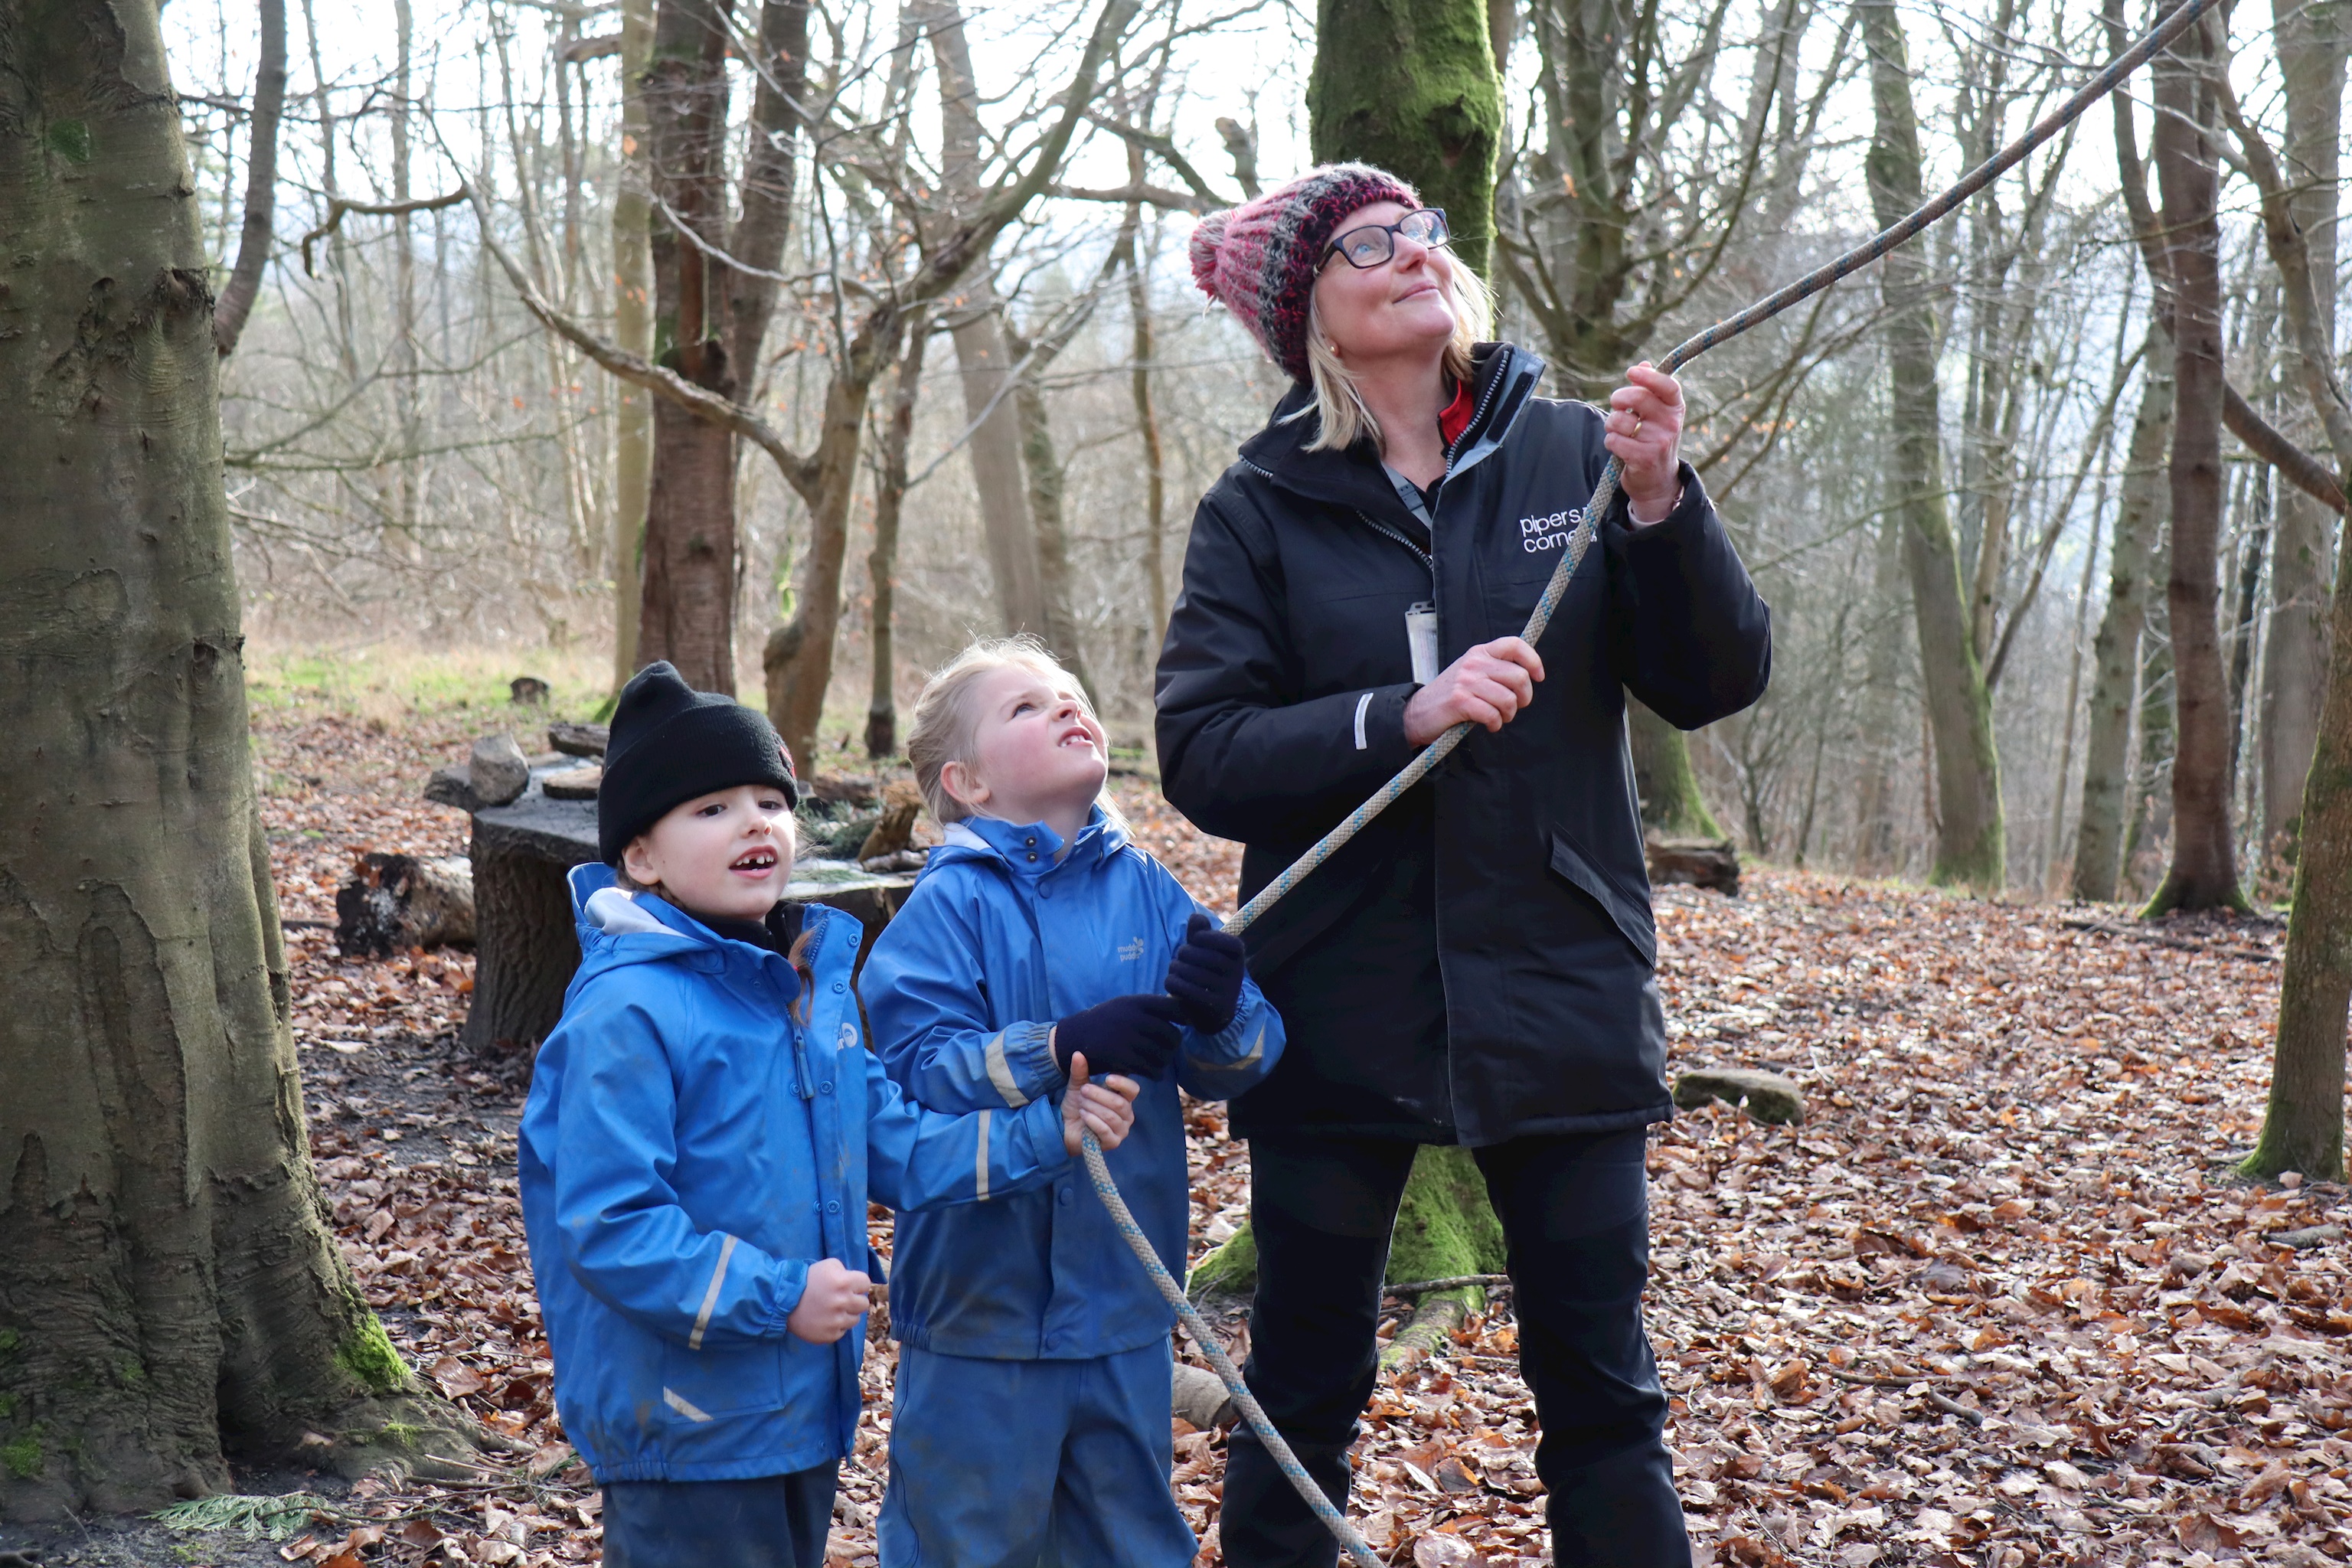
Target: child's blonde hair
<point>944,724</point>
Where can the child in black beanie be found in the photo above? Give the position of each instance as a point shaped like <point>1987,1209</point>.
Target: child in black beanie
<point>704,1127</point>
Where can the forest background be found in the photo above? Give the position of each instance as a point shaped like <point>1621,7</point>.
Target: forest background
<point>412,459</point>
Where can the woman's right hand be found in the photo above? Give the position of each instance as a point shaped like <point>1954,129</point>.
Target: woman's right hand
<point>1488,685</point>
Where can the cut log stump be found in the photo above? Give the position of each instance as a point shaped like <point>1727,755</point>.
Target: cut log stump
<point>1693,862</point>
<point>1767,1096</point>
<point>395,902</point>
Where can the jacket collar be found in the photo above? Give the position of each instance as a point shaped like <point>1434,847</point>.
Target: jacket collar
<point>1028,848</point>
<point>1504,379</point>
<point>619,927</point>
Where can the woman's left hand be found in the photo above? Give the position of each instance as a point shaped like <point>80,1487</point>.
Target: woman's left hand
<point>1645,429</point>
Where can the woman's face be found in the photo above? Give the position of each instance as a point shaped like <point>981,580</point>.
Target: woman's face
<point>1403,308</point>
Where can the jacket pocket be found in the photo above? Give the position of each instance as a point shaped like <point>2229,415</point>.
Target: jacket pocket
<point>700,1386</point>
<point>1630,915</point>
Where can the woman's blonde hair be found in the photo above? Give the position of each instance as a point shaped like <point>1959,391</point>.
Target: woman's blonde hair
<point>945,724</point>
<point>1339,407</point>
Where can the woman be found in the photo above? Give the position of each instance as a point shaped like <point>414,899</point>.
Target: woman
<point>1475,967</point>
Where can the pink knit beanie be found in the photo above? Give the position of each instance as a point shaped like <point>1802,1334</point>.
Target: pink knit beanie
<point>1260,260</point>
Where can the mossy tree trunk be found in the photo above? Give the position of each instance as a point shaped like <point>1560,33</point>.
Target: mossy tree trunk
<point>1445,1228</point>
<point>169,1289</point>
<point>1971,842</point>
<point>1663,774</point>
<point>1410,86</point>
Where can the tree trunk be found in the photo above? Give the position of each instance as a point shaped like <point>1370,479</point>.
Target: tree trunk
<point>981,353</point>
<point>798,658</point>
<point>1874,846</point>
<point>1971,847</point>
<point>1141,353</point>
<point>768,169</point>
<point>169,1291</point>
<point>1410,86</point>
<point>2139,524</point>
<point>633,330</point>
<point>882,563</point>
<point>1663,776</point>
<point>1044,466</point>
<point>2204,870</point>
<point>260,182</point>
<point>2311,39</point>
<point>688,607</point>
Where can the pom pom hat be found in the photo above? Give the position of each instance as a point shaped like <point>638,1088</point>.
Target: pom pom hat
<point>671,743</point>
<point>1260,260</point>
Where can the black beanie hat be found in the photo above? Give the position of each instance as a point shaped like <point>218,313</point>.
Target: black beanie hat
<point>670,744</point>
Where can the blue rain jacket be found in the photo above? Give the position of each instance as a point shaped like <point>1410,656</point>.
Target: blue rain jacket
<point>687,1151</point>
<point>996,941</point>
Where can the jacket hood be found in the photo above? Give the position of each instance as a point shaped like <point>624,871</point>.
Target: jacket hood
<point>1504,379</point>
<point>1029,848</point>
<point>618,928</point>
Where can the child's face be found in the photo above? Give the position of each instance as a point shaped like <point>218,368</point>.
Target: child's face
<point>1036,750</point>
<point>727,854</point>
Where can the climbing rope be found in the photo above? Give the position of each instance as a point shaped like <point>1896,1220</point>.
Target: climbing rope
<point>1604,494</point>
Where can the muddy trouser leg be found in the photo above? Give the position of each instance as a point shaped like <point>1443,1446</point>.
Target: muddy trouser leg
<point>1575,1210</point>
<point>775,1521</point>
<point>1322,1210</point>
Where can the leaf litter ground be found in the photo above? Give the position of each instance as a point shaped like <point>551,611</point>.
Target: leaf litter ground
<point>1995,1302</point>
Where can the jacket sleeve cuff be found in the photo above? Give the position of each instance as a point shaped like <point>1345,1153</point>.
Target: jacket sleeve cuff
<point>1377,721</point>
<point>1021,1063</point>
<point>792,1284</point>
<point>1678,527</point>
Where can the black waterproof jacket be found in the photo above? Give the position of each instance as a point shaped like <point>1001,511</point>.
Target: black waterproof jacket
<point>1477,965</point>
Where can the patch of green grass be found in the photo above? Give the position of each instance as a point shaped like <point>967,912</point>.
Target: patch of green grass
<point>398,684</point>
<point>369,1356</point>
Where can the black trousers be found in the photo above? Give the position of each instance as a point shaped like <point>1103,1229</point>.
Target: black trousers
<point>775,1521</point>
<point>1575,1213</point>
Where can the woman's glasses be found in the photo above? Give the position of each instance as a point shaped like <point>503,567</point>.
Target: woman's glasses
<point>1375,243</point>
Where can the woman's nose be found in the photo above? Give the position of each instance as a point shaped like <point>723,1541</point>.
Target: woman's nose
<point>1405,253</point>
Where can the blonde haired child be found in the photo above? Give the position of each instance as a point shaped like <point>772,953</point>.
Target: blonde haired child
<point>1039,930</point>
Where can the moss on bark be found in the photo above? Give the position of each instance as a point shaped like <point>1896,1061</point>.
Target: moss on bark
<point>1410,86</point>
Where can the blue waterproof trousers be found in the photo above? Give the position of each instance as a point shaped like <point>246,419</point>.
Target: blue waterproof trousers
<point>774,1521</point>
<point>1033,1464</point>
<point>1575,1214</point>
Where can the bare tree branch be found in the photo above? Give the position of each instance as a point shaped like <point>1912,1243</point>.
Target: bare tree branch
<point>243,284</point>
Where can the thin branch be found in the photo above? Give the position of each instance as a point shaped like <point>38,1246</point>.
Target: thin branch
<point>338,209</point>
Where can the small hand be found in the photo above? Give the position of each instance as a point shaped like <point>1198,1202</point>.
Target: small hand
<point>1488,685</point>
<point>1206,975</point>
<point>831,1302</point>
<point>1107,1108</point>
<point>1645,428</point>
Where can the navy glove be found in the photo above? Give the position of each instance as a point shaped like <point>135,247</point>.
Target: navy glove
<point>1206,975</point>
<point>1137,1036</point>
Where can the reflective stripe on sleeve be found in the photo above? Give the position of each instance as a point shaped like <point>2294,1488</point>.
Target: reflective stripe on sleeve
<point>1000,1072</point>
<point>710,1299</point>
<point>1362,703</point>
<point>979,1161</point>
<point>1256,1054</point>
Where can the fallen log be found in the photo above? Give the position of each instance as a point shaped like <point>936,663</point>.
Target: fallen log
<point>1694,862</point>
<point>395,902</point>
